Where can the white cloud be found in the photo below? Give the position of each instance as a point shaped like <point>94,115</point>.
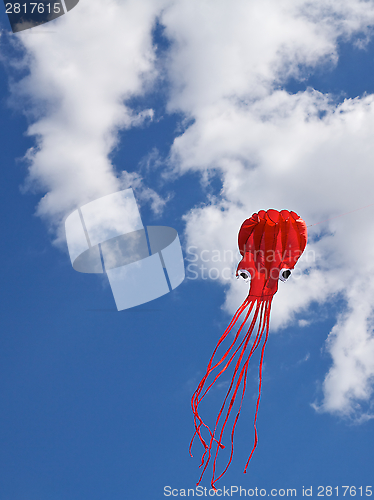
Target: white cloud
<point>351,345</point>
<point>302,152</point>
<point>226,51</point>
<point>226,65</point>
<point>80,75</point>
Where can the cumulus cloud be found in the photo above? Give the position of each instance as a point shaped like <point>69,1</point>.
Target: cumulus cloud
<point>79,78</point>
<point>348,385</point>
<point>304,152</point>
<point>226,67</point>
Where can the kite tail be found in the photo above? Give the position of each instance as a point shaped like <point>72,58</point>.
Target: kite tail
<point>261,313</point>
<point>195,401</point>
<point>259,385</point>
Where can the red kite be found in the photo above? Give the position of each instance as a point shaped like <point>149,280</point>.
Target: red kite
<point>270,244</point>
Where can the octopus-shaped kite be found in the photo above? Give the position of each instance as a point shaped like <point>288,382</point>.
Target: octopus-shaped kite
<point>270,243</point>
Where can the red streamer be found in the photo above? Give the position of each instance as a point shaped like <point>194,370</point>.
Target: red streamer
<point>238,348</point>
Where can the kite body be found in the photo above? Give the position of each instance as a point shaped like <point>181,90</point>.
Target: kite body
<point>270,244</point>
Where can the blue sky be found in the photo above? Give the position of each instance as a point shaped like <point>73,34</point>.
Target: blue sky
<point>252,108</point>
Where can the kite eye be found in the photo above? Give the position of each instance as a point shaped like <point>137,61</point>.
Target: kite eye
<point>284,274</point>
<point>243,273</point>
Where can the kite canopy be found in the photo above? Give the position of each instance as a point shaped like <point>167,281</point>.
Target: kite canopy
<point>269,242</point>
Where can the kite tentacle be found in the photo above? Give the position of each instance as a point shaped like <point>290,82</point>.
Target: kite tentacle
<point>195,401</point>
<point>245,342</point>
<point>209,369</point>
<point>262,315</point>
<point>242,376</point>
<point>229,349</point>
<point>267,318</point>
